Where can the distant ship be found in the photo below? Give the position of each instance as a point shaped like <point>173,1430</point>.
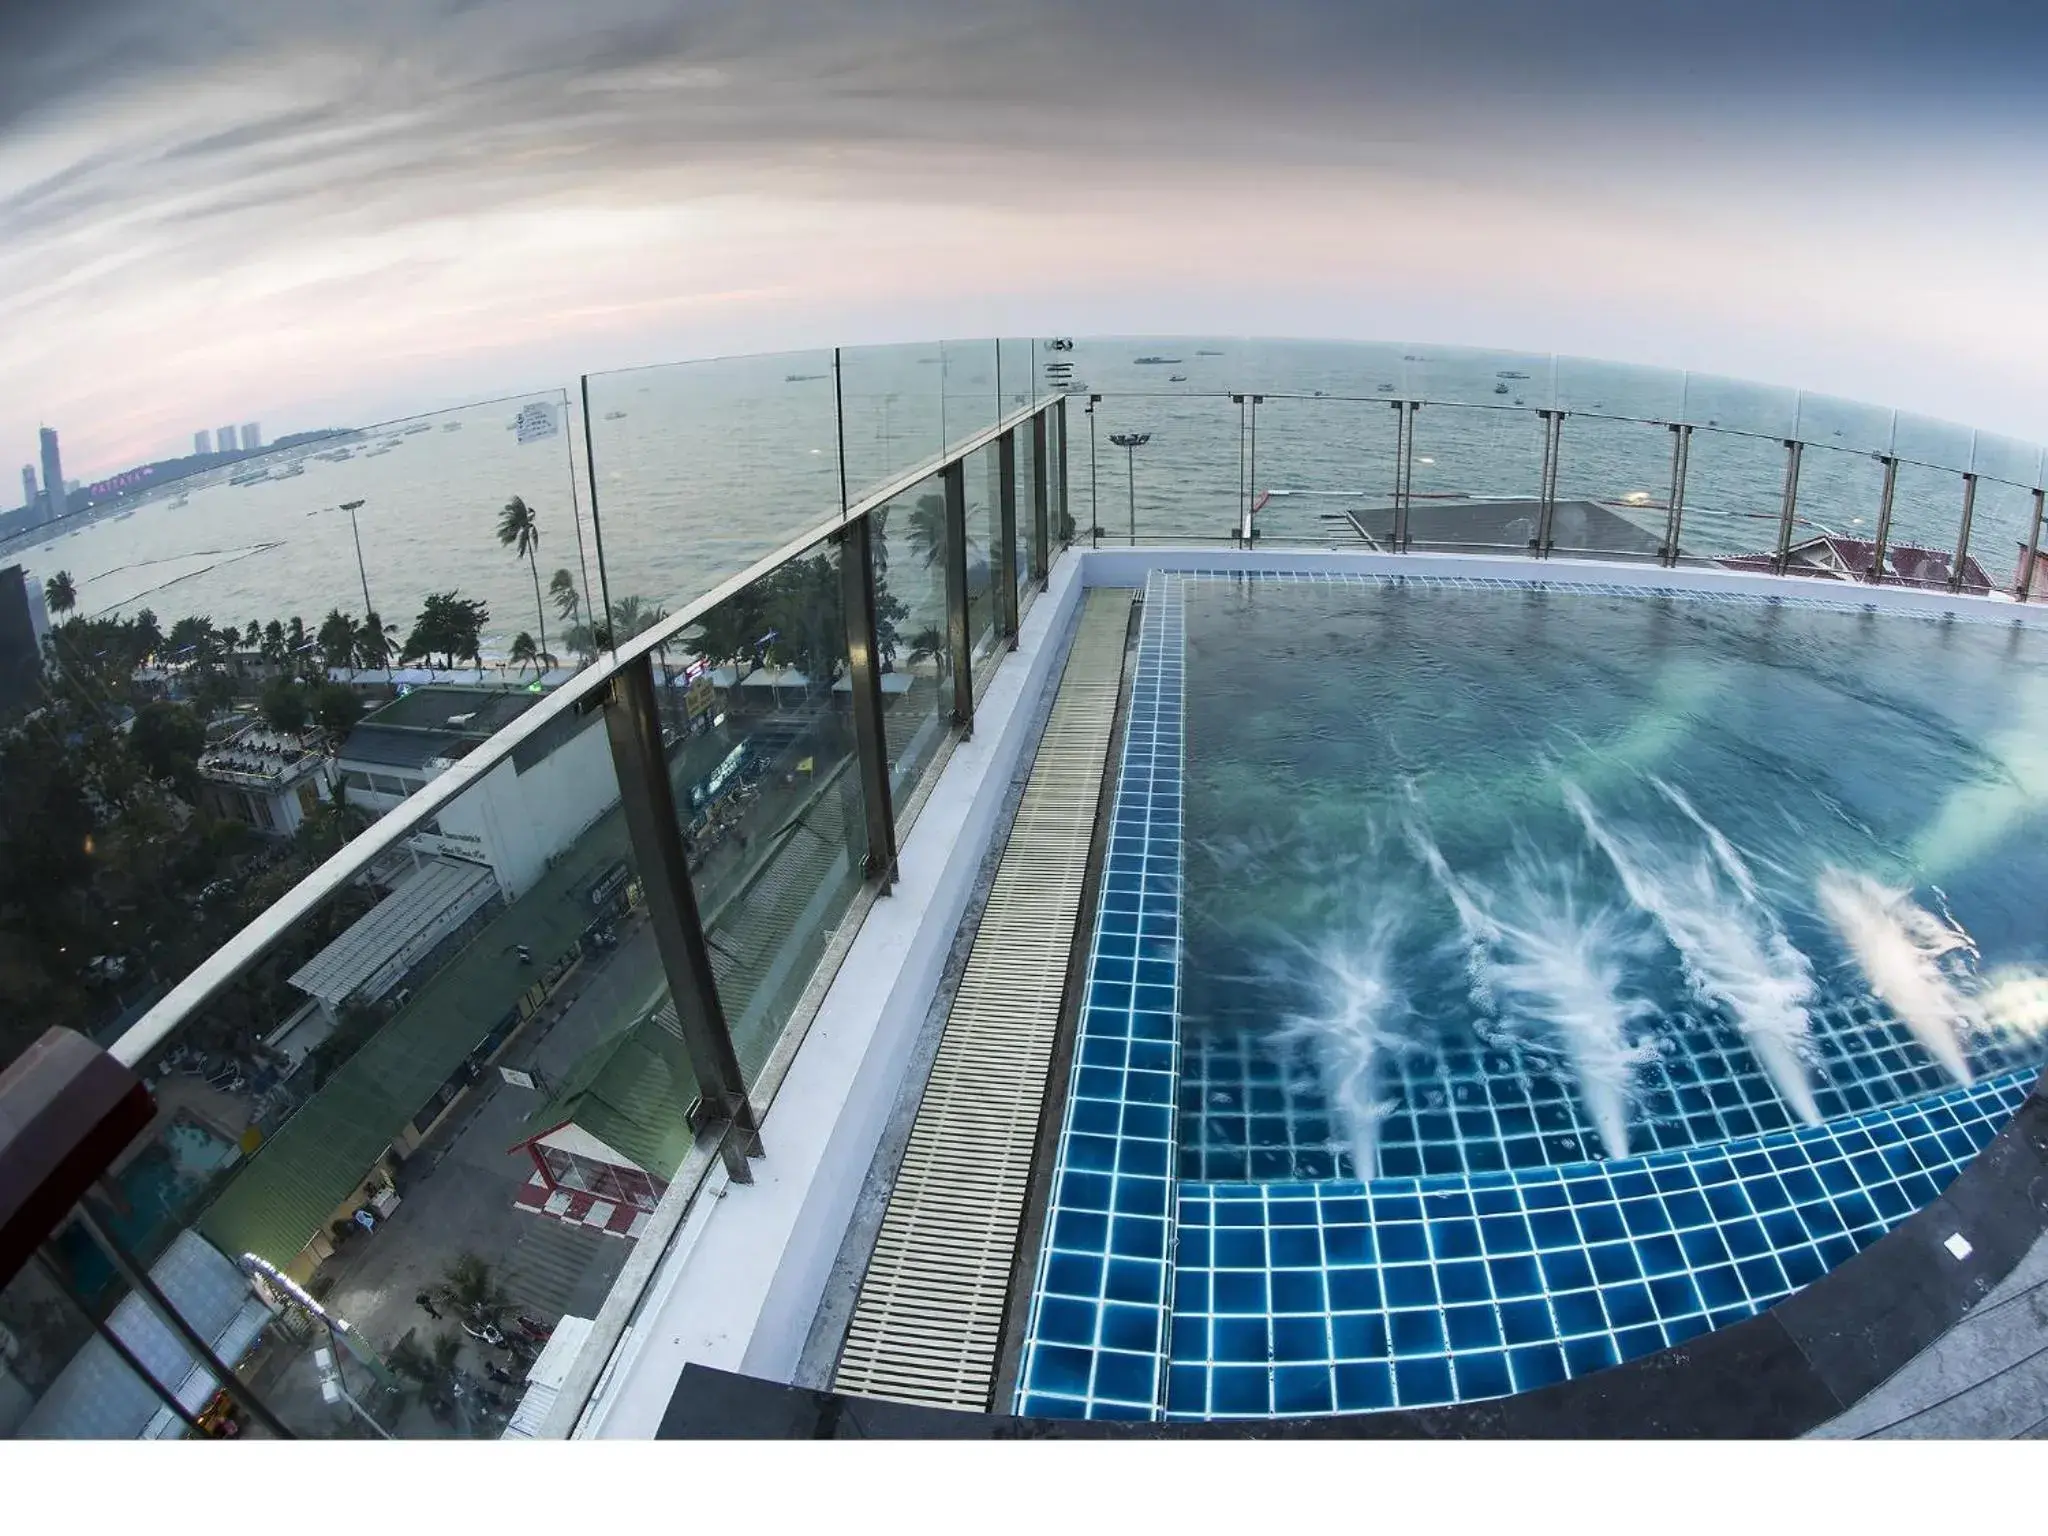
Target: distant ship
<point>451,426</point>
<point>1178,378</point>
<point>801,378</point>
<point>1509,373</point>
<point>614,415</point>
<point>418,426</point>
<point>289,471</point>
<point>1155,360</point>
<point>1500,389</point>
<point>1386,389</point>
<point>179,502</point>
<point>249,477</point>
<point>1207,352</point>
<point>1059,344</point>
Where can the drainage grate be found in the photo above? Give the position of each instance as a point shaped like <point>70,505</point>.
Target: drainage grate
<point>927,1327</point>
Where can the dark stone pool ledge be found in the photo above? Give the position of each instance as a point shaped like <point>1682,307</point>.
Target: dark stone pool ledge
<point>1776,1376</point>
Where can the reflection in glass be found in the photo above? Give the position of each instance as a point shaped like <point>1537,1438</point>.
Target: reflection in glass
<point>910,629</point>
<point>770,792</point>
<point>982,475</point>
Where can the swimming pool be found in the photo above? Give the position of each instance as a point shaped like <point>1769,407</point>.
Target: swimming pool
<point>1497,980</point>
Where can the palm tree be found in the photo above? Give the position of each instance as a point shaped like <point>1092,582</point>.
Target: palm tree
<point>374,642</point>
<point>633,616</point>
<point>562,588</point>
<point>472,1292</point>
<point>519,531</point>
<point>60,593</point>
<point>434,1369</point>
<point>525,652</point>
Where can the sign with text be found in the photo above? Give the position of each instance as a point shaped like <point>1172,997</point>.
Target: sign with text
<point>536,421</point>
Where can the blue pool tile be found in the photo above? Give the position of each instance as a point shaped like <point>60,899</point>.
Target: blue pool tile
<point>1347,1245</point>
<point>1298,1290</point>
<point>1240,1339</point>
<point>1354,1290</point>
<point>1137,1237</point>
<point>1423,1383</point>
<point>1614,1263</point>
<point>1187,1391</point>
<point>1130,1327</point>
<point>1628,1306</point>
<point>1065,1321</point>
<point>1515,1277</point>
<point>1472,1327</point>
<point>1584,1356</point>
<point>1074,1274</point>
<point>1239,1248</point>
<point>1402,1243</point>
<point>1126,1378</point>
<point>1536,1365</point>
<point>1358,1336</point>
<point>1294,1247</point>
<point>1719,1286</point>
<point>1482,1376</point>
<point>1239,1292</point>
<point>1634,1343</point>
<point>1363,1388</point>
<point>1566,1270</point>
<point>1416,1333</point>
<point>1409,1285</point>
<point>1526,1322</point>
<point>1578,1312</point>
<point>1238,1389</point>
<point>1505,1235</point>
<point>1061,1370</point>
<point>1465,1281</point>
<point>1303,1389</point>
<point>1134,1280</point>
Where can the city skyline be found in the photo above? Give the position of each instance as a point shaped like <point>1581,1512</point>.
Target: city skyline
<point>414,207</point>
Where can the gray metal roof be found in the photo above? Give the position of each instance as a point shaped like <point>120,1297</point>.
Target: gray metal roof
<point>401,746</point>
<point>415,916</point>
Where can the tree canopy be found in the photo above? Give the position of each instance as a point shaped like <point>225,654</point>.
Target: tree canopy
<point>449,627</point>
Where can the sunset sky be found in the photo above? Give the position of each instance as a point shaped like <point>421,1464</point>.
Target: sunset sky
<point>308,213</point>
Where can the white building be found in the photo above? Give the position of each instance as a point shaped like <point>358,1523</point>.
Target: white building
<point>202,442</point>
<point>251,438</point>
<point>270,780</point>
<point>226,439</point>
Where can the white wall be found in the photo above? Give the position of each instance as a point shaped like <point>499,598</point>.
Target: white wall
<point>523,820</point>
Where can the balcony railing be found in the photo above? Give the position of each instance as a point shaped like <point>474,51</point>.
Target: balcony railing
<point>681,838</point>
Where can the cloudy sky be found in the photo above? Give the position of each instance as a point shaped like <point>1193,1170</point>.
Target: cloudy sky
<point>303,212</point>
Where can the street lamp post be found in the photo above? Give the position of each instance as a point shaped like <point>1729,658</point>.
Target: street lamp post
<point>362,572</point>
<point>1131,442</point>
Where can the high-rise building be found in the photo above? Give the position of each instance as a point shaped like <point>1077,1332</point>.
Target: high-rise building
<point>53,475</point>
<point>28,485</point>
<point>202,442</point>
<point>23,622</point>
<point>251,438</point>
<point>225,437</point>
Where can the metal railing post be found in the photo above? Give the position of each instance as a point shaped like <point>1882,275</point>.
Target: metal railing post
<point>1006,534</point>
<point>1545,505</point>
<point>1884,520</point>
<point>1094,480</point>
<point>959,638</point>
<point>864,679</point>
<point>2024,587</point>
<point>1041,532</point>
<point>1955,575</point>
<point>1674,516</point>
<point>1781,559</point>
<point>1404,471</point>
<point>1251,515</point>
<point>1065,512</point>
<point>632,722</point>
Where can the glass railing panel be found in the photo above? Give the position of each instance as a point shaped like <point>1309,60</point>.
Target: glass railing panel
<point>1020,555</point>
<point>1017,367</point>
<point>1927,515</point>
<point>1940,444</point>
<point>1176,478</point>
<point>769,793</point>
<point>1848,425</point>
<point>1736,405</point>
<point>59,1377</point>
<point>266,566</point>
<point>895,408</point>
<point>972,399</point>
<point>1613,486</point>
<point>1840,494</point>
<point>1734,496</point>
<point>981,476</point>
<point>701,469</point>
<point>1057,468</point>
<point>910,624</point>
<point>1589,385</point>
<point>1476,478</point>
<point>1326,470</point>
<point>1477,376</point>
<point>340,1108</point>
<point>2003,517</point>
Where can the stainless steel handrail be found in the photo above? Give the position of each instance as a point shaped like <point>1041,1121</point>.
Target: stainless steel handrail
<point>220,968</point>
<point>1397,397</point>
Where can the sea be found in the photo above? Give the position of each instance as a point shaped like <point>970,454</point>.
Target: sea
<point>660,482</point>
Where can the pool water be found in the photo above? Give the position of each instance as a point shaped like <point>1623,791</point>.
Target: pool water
<point>161,1188</point>
<point>1484,880</point>
<point>1496,980</point>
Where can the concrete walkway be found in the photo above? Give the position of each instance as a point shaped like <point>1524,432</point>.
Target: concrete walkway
<point>1985,1379</point>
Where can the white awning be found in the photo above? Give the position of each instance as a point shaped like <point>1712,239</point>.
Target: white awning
<point>384,942</point>
<point>544,1381</point>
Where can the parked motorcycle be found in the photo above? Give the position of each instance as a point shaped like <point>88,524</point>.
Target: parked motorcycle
<point>535,1329</point>
<point>487,1332</point>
